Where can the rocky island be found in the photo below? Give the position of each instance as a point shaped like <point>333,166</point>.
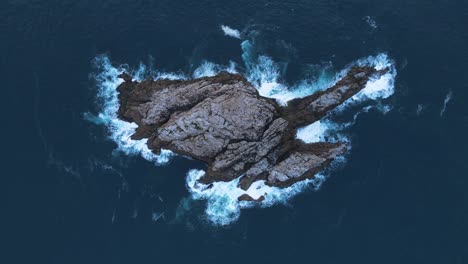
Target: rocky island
<point>224,122</point>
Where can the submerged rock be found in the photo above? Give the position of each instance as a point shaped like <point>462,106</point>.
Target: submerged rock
<point>224,122</point>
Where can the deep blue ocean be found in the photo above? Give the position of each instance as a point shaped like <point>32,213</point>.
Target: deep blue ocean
<point>71,197</point>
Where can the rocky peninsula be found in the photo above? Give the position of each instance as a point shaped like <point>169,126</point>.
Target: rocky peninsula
<point>224,122</point>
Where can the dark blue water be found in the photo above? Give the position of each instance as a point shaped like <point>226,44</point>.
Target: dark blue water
<point>400,198</point>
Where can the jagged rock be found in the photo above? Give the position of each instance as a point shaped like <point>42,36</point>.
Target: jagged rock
<point>126,77</point>
<point>223,121</point>
<point>248,198</point>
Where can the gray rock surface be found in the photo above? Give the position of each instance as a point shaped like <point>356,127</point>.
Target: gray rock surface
<point>223,121</point>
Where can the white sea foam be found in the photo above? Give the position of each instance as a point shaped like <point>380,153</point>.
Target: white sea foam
<point>377,87</point>
<point>169,76</point>
<point>315,132</point>
<point>264,73</point>
<point>447,99</point>
<point>419,109</point>
<point>370,21</point>
<point>222,205</point>
<point>231,32</point>
<point>155,216</point>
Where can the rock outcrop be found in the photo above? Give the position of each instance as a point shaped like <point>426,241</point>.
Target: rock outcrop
<point>224,122</point>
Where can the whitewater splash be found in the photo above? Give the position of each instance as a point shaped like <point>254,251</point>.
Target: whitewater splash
<point>447,99</point>
<point>231,32</point>
<point>223,206</point>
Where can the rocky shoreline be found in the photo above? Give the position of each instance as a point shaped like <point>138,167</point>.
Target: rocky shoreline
<point>224,122</point>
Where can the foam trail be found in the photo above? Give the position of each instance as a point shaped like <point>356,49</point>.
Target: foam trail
<point>447,99</point>
<point>377,88</point>
<point>155,216</point>
<point>231,32</point>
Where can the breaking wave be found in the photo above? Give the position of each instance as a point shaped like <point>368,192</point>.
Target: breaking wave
<point>265,74</point>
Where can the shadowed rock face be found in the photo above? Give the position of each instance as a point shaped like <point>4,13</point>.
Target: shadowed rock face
<point>223,121</point>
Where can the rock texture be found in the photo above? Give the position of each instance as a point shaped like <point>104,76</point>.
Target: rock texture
<point>223,121</point>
